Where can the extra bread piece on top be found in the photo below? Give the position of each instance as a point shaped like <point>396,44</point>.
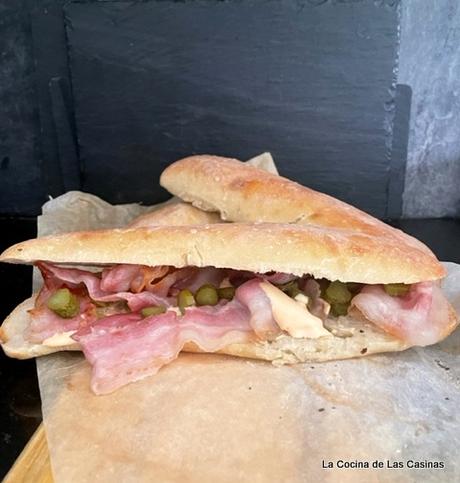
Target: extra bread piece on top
<point>243,193</point>
<point>329,253</point>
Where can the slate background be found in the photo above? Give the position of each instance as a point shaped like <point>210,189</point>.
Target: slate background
<point>428,63</point>
<point>20,187</point>
<point>312,85</point>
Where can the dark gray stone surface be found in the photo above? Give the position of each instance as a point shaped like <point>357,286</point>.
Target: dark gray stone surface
<point>60,166</point>
<point>20,181</point>
<point>311,82</point>
<point>399,150</point>
<point>430,64</point>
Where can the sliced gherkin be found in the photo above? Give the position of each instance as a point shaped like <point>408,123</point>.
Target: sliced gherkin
<point>339,309</point>
<point>396,289</point>
<point>206,295</point>
<point>185,299</point>
<point>226,293</point>
<point>323,285</point>
<point>63,303</point>
<point>338,293</point>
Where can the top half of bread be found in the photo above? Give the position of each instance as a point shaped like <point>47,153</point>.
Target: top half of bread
<point>242,193</point>
<point>332,253</point>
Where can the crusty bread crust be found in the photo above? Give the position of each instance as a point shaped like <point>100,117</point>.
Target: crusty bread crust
<point>175,214</point>
<point>242,193</point>
<point>332,253</point>
<point>353,338</point>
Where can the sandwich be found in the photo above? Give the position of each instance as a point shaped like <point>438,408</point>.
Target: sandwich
<point>301,284</point>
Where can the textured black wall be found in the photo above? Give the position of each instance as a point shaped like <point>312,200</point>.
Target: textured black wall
<point>21,189</point>
<point>311,81</point>
<point>312,84</point>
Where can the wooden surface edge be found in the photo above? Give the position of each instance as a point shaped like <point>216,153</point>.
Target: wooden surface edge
<point>33,464</point>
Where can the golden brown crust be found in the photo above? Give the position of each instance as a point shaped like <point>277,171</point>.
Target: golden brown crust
<point>177,213</point>
<point>335,254</point>
<point>243,193</point>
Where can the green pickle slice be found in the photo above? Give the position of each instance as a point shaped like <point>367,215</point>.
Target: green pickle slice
<point>64,303</point>
<point>207,295</point>
<point>226,293</point>
<point>338,292</point>
<point>185,299</point>
<point>396,289</point>
<point>339,309</point>
<point>339,296</point>
<point>153,310</point>
<point>323,285</point>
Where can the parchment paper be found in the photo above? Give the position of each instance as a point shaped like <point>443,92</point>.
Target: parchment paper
<point>209,418</point>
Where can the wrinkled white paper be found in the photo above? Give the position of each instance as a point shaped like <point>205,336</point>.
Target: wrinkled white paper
<point>222,419</point>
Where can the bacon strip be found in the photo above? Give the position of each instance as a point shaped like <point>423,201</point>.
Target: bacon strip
<point>421,317</point>
<point>56,277</point>
<point>202,276</point>
<point>119,278</point>
<point>125,348</point>
<point>219,325</point>
<point>163,286</point>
